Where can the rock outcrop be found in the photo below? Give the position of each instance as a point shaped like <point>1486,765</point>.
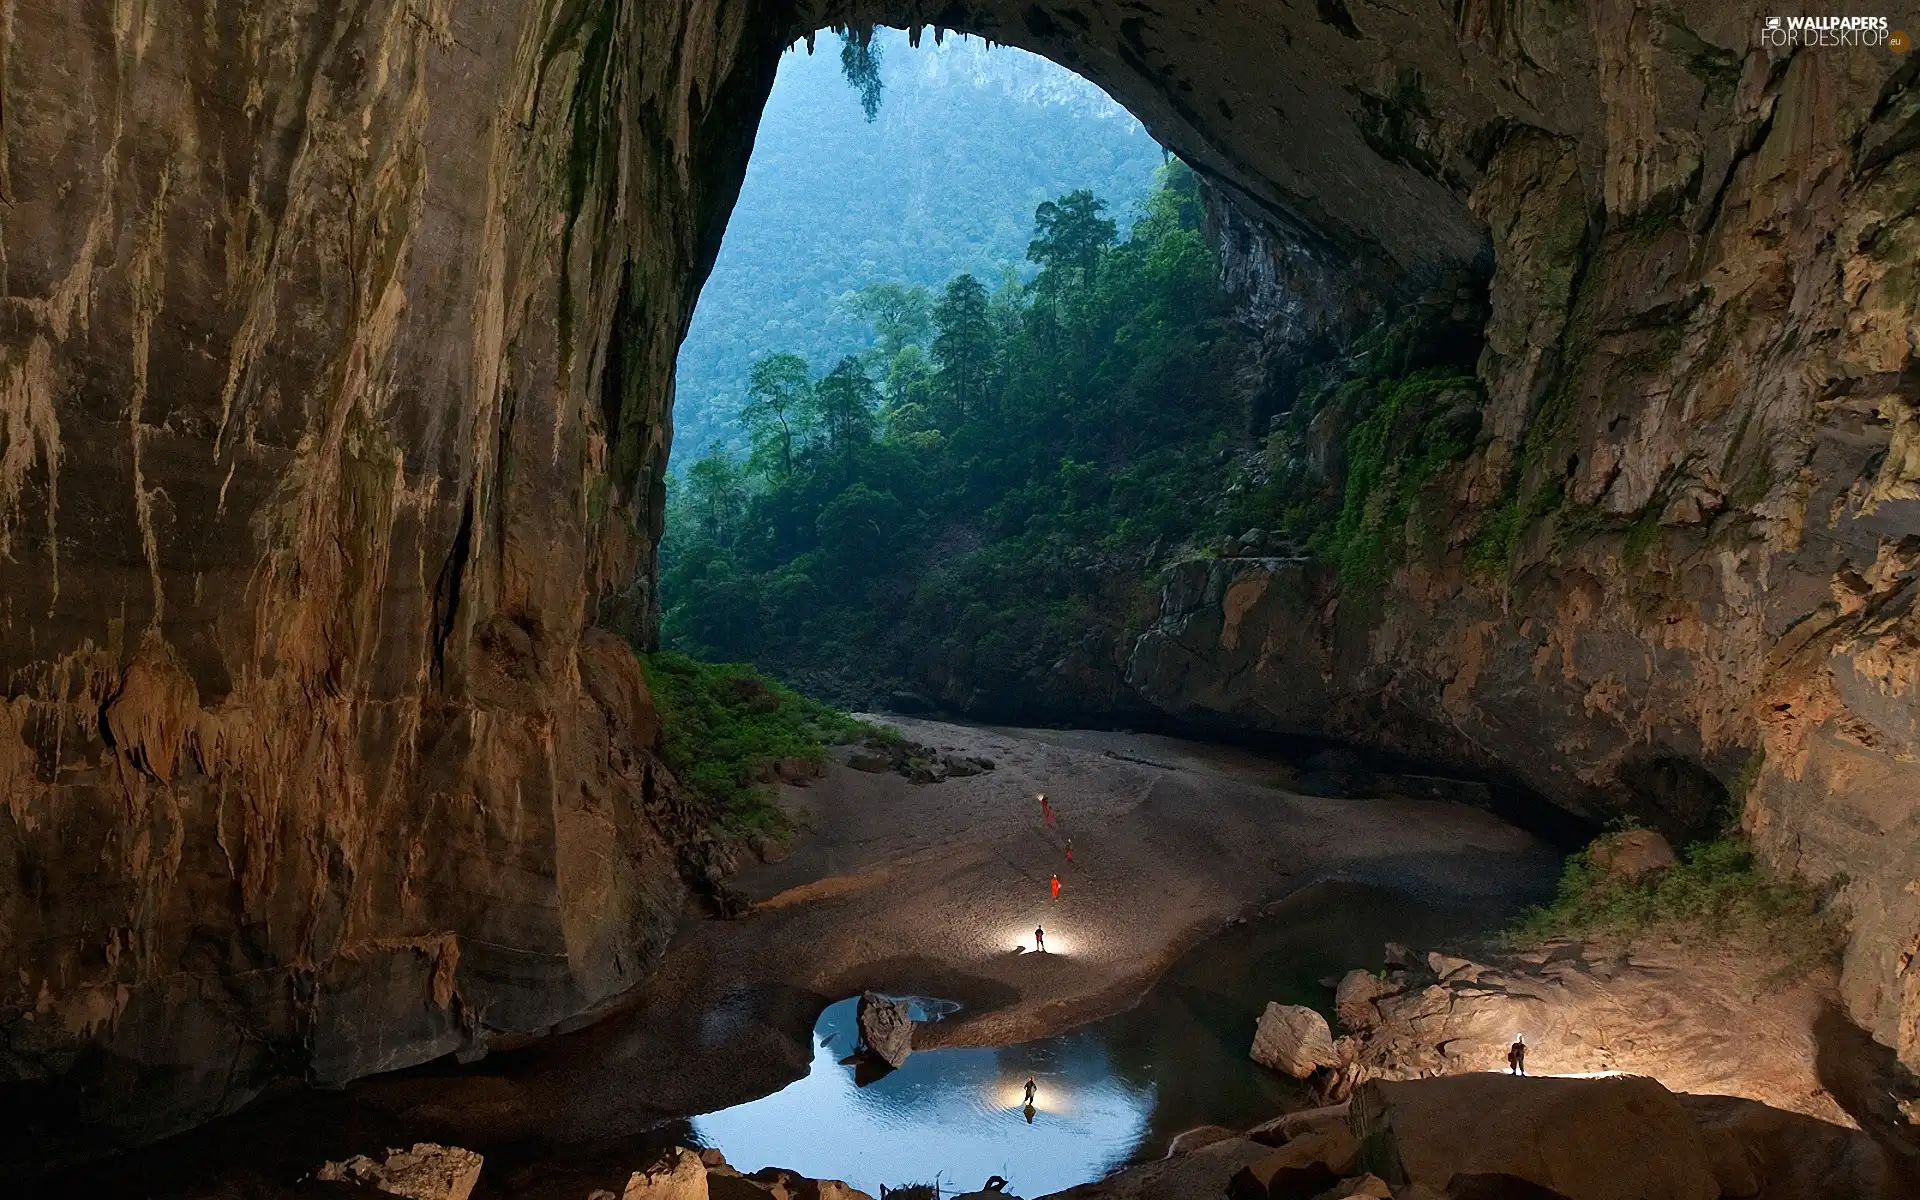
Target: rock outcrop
<point>1585,1139</point>
<point>426,1172</point>
<point>1294,1039</point>
<point>886,1027</point>
<point>334,411</point>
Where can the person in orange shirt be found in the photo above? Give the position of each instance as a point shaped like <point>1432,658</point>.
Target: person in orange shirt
<point>1056,887</point>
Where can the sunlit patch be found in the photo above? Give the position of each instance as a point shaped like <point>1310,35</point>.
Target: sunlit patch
<point>1061,939</point>
<point>1050,1098</point>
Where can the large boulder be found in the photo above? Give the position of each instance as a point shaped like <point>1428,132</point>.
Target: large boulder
<point>427,1172</point>
<point>1634,854</point>
<point>1307,1165</point>
<point>681,1175</point>
<point>1353,1000</point>
<point>886,1025</point>
<point>1294,1039</point>
<point>1624,1138</point>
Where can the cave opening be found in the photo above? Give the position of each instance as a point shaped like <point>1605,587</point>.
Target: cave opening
<point>964,326</point>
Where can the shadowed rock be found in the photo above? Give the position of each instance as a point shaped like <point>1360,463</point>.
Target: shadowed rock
<point>886,1026</point>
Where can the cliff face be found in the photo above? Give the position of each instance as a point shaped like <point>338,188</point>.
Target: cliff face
<point>1678,569</point>
<point>334,393</point>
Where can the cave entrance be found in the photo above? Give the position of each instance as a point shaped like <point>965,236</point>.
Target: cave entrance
<point>963,310</point>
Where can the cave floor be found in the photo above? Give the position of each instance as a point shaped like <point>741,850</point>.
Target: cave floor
<point>931,889</point>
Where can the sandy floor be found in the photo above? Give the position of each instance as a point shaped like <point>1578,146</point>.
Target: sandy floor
<point>934,887</point>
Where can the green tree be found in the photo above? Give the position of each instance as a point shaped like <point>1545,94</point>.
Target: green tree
<point>716,492</point>
<point>1069,236</point>
<point>843,405</point>
<point>779,391</point>
<point>901,316</point>
<point>963,347</point>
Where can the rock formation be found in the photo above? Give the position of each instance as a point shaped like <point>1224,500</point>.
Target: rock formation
<point>886,1027</point>
<point>426,1172</point>
<point>334,407</point>
<point>1292,1038</point>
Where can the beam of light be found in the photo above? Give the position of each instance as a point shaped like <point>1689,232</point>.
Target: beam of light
<point>1061,939</point>
<point>1051,1097</point>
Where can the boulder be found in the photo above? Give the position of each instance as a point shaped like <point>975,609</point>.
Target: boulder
<point>1362,1187</point>
<point>1294,1039</point>
<point>1301,1169</point>
<point>1449,968</point>
<point>681,1175</point>
<point>1399,954</point>
<point>1353,1000</point>
<point>427,1172</point>
<point>886,1026</point>
<point>1623,1138</point>
<point>1634,854</point>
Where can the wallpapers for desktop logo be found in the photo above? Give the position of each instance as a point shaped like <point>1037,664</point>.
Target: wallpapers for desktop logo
<point>1871,32</point>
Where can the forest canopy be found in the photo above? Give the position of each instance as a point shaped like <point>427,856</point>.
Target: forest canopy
<point>962,489</point>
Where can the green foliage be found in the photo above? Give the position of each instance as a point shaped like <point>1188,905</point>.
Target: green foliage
<point>960,508</point>
<point>1719,892</point>
<point>1414,429</point>
<point>725,726</point>
<point>860,63</point>
<point>1347,469</point>
<point>944,181</point>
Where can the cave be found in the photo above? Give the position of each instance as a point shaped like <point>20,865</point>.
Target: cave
<point>341,763</point>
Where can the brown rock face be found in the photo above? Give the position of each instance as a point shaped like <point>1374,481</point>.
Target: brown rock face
<point>334,395</point>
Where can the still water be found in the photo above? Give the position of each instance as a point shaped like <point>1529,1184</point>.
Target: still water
<point>1112,1092</point>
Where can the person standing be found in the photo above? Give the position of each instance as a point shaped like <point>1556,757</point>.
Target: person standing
<point>1039,940</point>
<point>1056,887</point>
<point>1046,810</point>
<point>1032,1087</point>
<point>1517,1056</point>
<point>1069,849</point>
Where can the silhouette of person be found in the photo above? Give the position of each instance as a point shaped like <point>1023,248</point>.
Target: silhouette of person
<point>1056,887</point>
<point>1039,940</point>
<point>1032,1087</point>
<point>1029,1114</point>
<point>1517,1057</point>
<point>1069,849</point>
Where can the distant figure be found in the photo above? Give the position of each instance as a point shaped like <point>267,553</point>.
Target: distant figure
<point>1069,849</point>
<point>1517,1057</point>
<point>1046,810</point>
<point>1032,1087</point>
<point>1029,1114</point>
<point>1056,887</point>
<point>1039,940</point>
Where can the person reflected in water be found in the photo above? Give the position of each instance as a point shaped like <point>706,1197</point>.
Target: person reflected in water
<point>1029,1114</point>
<point>1039,940</point>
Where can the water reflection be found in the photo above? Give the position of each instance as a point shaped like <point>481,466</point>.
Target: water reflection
<point>957,1115</point>
<point>1118,1089</point>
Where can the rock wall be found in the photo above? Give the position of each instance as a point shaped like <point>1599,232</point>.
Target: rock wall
<point>334,379</point>
<point>1678,570</point>
<point>334,388</point>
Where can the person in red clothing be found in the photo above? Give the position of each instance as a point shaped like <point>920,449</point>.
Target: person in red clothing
<point>1069,849</point>
<point>1046,810</point>
<point>1056,887</point>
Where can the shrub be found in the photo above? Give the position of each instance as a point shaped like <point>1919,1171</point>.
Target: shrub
<point>726,725</point>
<point>1718,891</point>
